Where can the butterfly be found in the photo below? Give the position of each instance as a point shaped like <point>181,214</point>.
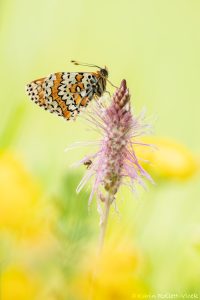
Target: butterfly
<point>66,93</point>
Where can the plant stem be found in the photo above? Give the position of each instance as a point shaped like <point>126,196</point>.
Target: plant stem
<point>104,222</point>
<point>108,202</point>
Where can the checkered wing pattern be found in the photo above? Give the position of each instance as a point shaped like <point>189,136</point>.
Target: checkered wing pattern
<point>64,93</point>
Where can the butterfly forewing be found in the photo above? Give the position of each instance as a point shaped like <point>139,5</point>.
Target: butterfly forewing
<point>64,93</point>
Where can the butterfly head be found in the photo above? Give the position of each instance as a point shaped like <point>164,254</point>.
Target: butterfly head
<point>104,72</point>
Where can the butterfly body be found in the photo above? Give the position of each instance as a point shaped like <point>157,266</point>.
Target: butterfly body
<point>66,93</point>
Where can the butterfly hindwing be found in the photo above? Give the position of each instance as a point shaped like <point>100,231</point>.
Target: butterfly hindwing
<point>63,93</point>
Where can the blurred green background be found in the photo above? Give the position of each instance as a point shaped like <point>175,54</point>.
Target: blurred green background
<point>48,237</point>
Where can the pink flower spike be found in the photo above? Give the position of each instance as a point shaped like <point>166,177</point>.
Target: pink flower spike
<point>115,162</point>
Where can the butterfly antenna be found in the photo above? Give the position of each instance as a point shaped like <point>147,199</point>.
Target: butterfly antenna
<point>75,62</point>
<point>112,83</point>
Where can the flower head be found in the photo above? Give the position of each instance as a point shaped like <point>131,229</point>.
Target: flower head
<point>115,163</point>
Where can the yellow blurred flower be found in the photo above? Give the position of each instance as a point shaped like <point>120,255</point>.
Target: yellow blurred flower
<point>19,196</point>
<point>170,159</point>
<point>26,235</point>
<point>17,284</point>
<point>114,275</point>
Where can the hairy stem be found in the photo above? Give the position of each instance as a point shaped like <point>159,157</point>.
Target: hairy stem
<point>104,223</point>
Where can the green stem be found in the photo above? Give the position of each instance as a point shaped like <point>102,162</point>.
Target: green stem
<point>108,202</point>
<point>104,222</point>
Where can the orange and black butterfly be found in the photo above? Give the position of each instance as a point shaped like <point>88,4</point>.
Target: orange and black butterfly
<point>65,93</point>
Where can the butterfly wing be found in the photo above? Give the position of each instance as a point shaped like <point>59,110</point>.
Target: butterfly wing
<point>63,93</point>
